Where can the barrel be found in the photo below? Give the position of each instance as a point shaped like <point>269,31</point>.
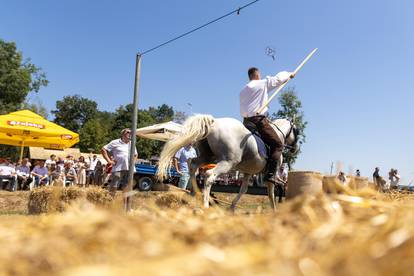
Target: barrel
<point>358,182</point>
<point>331,184</point>
<point>303,182</point>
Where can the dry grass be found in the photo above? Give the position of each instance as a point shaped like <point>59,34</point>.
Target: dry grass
<point>357,233</point>
<point>13,202</point>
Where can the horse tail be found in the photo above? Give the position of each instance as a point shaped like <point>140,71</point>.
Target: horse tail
<point>195,128</point>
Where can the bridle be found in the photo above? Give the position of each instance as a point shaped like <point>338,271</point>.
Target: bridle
<point>291,129</point>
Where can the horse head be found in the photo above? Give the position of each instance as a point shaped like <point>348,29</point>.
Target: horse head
<point>292,138</point>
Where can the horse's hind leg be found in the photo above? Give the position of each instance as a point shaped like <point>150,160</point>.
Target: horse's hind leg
<point>194,165</point>
<point>243,190</point>
<point>221,167</point>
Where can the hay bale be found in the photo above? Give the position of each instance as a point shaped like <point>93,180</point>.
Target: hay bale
<point>43,200</point>
<point>71,193</point>
<point>358,182</point>
<point>303,182</point>
<point>57,199</point>
<point>98,196</point>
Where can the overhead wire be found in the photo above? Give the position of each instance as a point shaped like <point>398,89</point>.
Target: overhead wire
<point>237,11</point>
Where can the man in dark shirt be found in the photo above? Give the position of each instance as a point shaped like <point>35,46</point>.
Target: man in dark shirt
<point>375,175</point>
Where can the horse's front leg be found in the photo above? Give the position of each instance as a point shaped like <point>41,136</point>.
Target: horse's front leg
<point>243,190</point>
<point>271,194</point>
<point>221,167</point>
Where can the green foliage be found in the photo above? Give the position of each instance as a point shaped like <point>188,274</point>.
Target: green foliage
<point>93,136</point>
<point>17,78</point>
<point>180,117</point>
<point>291,108</point>
<point>161,114</point>
<point>37,107</point>
<point>72,112</point>
<point>146,117</point>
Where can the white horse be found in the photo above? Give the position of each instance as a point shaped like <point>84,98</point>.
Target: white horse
<point>229,144</point>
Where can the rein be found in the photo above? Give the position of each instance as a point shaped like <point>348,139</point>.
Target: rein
<point>287,135</point>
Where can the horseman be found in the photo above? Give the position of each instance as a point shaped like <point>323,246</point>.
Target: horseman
<point>253,96</point>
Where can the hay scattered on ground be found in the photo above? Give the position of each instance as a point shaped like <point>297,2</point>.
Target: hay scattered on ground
<point>363,233</point>
<point>173,200</point>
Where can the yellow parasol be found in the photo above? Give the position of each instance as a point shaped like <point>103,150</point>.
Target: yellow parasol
<point>26,128</point>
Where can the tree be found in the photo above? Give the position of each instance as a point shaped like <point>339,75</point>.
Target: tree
<point>37,107</point>
<point>72,112</point>
<point>96,132</point>
<point>161,114</point>
<point>291,108</point>
<point>180,117</point>
<point>18,77</point>
<point>93,136</point>
<point>122,119</point>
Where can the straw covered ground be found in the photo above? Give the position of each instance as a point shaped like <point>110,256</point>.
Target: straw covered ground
<point>362,233</point>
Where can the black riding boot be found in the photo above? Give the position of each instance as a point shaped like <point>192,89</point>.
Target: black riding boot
<point>271,171</point>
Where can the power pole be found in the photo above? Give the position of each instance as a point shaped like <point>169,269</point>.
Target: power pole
<point>128,194</point>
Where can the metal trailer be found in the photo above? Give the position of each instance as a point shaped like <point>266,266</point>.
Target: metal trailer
<point>145,176</point>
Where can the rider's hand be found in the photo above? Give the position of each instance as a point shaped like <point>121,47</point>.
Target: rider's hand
<point>113,162</point>
<point>292,75</point>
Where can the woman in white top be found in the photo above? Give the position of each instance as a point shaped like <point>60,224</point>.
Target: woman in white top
<point>81,170</point>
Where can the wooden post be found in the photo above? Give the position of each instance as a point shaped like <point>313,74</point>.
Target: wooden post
<point>21,151</point>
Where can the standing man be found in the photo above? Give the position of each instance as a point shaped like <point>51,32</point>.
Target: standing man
<point>281,181</point>
<point>376,176</point>
<point>253,96</point>
<point>181,165</point>
<point>116,153</point>
<point>90,172</point>
<point>394,178</point>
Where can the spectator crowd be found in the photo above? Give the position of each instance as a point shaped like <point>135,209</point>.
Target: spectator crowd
<point>54,171</point>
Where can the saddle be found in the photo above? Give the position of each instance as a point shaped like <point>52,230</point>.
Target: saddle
<point>264,150</point>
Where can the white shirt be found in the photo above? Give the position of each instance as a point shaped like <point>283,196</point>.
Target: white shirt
<point>92,164</point>
<point>6,170</point>
<point>395,179</point>
<point>120,153</point>
<point>49,162</point>
<point>183,155</point>
<point>254,94</point>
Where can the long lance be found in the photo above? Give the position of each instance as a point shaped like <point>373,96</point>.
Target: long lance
<point>283,85</point>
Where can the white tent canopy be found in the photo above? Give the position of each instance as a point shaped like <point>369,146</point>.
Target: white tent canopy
<point>161,132</point>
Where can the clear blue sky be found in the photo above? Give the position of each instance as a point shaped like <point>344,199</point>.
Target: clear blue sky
<point>357,91</point>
